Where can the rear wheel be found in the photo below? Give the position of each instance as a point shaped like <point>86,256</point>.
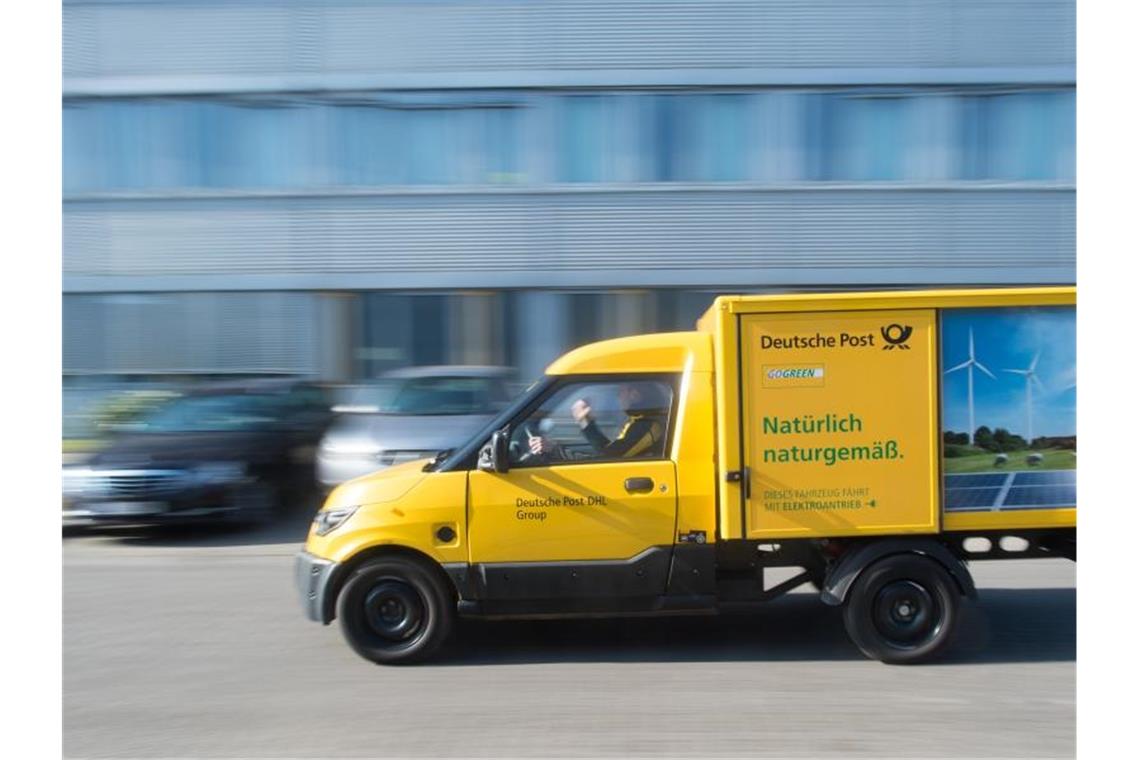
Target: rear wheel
<point>902,609</point>
<point>395,610</point>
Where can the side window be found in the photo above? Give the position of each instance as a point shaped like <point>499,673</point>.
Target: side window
<point>500,394</point>
<point>305,407</point>
<point>596,421</point>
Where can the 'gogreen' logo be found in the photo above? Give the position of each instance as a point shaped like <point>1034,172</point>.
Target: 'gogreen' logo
<point>896,336</point>
<point>780,373</point>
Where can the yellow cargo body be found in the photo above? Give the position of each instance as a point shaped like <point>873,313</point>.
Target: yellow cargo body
<point>830,407</point>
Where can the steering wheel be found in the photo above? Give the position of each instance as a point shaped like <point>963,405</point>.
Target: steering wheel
<point>557,454</point>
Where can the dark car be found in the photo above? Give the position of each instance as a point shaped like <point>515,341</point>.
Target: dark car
<point>233,451</point>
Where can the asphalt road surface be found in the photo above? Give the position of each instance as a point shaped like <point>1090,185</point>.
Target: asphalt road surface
<point>192,644</point>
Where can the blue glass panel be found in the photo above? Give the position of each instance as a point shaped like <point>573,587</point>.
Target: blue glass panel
<point>1046,478</point>
<point>971,498</point>
<point>871,139</point>
<point>500,143</point>
<point>1018,136</point>
<point>666,139</point>
<point>1041,497</point>
<point>428,146</point>
<point>976,480</point>
<point>582,139</point>
<point>81,153</point>
<point>816,114</point>
<point>477,138</point>
<point>722,146</point>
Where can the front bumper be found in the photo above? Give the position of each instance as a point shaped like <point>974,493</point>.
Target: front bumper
<point>313,576</point>
<point>153,496</point>
<point>100,513</point>
<point>187,505</point>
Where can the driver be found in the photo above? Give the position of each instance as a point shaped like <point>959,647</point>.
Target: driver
<point>643,431</point>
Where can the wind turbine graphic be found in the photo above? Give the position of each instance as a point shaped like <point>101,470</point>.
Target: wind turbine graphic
<point>969,365</point>
<point>1030,374</point>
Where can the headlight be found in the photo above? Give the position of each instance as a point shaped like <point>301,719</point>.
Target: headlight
<point>329,520</point>
<point>81,481</point>
<point>72,483</point>
<point>217,473</point>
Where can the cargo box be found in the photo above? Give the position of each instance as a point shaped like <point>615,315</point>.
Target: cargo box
<point>895,413</point>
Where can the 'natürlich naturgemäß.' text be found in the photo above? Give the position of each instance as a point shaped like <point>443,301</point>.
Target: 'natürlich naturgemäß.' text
<point>810,424</point>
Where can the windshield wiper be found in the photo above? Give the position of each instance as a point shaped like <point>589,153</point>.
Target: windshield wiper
<point>437,460</point>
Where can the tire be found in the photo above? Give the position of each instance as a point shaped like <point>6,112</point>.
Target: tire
<point>395,610</point>
<point>902,609</point>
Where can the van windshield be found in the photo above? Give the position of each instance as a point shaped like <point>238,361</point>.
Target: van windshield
<point>456,457</point>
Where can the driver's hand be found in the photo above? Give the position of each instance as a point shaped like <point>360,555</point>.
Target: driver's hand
<point>538,444</point>
<point>581,411</point>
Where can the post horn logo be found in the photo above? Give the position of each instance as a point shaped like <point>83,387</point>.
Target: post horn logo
<point>896,336</point>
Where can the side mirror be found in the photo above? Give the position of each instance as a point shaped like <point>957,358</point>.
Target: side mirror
<point>494,457</point>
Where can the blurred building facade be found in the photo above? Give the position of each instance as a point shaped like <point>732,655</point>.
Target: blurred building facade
<point>335,187</point>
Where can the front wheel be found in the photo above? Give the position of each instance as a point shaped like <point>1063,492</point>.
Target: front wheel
<point>395,610</point>
<point>902,609</point>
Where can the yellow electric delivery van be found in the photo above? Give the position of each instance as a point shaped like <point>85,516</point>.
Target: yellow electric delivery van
<point>874,441</point>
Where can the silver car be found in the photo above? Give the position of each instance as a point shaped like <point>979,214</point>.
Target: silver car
<point>409,414</point>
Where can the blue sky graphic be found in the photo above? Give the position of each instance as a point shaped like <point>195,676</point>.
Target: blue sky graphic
<point>1008,339</point>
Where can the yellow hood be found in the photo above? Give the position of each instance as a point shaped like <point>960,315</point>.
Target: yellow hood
<point>379,487</point>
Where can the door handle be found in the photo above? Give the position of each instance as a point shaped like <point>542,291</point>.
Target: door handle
<point>638,485</point>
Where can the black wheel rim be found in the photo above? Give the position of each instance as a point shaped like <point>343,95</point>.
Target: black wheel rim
<point>394,611</point>
<point>906,615</point>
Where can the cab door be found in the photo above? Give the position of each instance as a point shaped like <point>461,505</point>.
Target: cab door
<point>578,521</point>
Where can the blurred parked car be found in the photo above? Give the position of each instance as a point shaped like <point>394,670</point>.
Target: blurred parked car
<point>409,414</point>
<point>235,451</point>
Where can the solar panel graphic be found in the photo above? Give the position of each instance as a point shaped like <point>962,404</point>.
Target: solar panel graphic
<point>979,480</point>
<point>970,499</point>
<point>1046,478</point>
<point>1009,426</point>
<point>1021,489</point>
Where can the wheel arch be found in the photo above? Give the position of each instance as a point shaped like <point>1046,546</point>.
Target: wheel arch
<point>851,565</point>
<point>345,570</point>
